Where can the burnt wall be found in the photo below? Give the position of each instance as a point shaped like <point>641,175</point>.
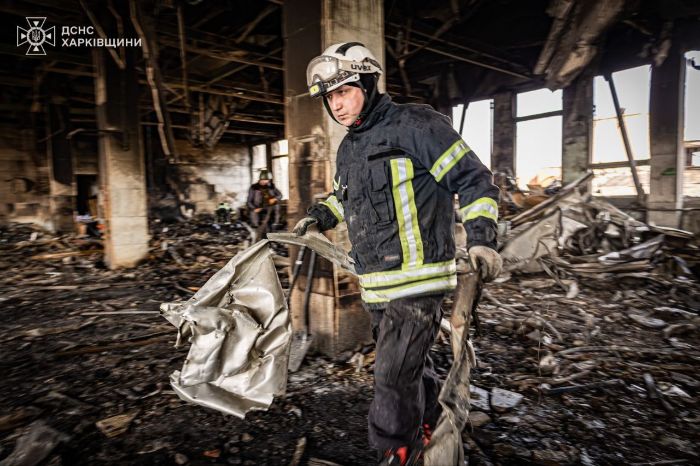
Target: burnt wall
<point>24,192</point>
<point>205,177</point>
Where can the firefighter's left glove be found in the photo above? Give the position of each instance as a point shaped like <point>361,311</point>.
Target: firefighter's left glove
<point>489,260</point>
<point>303,225</point>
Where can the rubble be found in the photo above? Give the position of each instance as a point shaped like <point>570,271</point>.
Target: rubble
<point>504,400</point>
<point>552,458</point>
<point>574,234</point>
<point>478,418</point>
<point>479,398</point>
<point>115,425</point>
<point>647,321</point>
<point>35,445</point>
<point>586,370</point>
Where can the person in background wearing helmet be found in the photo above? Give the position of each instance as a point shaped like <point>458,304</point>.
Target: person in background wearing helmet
<point>397,171</point>
<point>223,213</point>
<point>263,196</point>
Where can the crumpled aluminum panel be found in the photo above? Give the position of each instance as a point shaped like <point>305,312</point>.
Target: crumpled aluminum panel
<point>239,329</point>
<point>531,241</point>
<point>644,250</point>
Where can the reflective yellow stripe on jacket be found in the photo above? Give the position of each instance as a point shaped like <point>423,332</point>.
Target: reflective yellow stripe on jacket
<point>449,159</point>
<point>482,207</point>
<point>393,278</point>
<point>412,289</point>
<point>406,214</point>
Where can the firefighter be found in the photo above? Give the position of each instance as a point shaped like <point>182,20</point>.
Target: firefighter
<point>262,197</point>
<point>397,171</point>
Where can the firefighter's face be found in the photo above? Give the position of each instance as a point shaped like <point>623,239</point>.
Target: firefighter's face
<point>346,103</point>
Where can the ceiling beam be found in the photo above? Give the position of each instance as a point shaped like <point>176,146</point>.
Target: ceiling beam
<point>237,69</point>
<point>213,13</point>
<point>56,55</point>
<point>230,56</point>
<point>239,93</point>
<point>238,117</point>
<point>465,59</point>
<point>452,44</point>
<point>248,132</point>
<point>87,74</point>
<point>252,25</point>
<point>256,120</point>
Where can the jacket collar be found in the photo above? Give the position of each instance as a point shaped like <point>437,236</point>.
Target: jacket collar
<point>380,108</point>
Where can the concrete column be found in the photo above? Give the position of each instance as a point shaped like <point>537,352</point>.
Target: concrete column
<point>60,165</point>
<point>123,192</point>
<point>268,156</point>
<point>577,128</point>
<point>666,121</point>
<point>503,150</point>
<point>338,321</point>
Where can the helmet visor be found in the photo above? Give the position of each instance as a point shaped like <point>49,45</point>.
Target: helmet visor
<point>322,68</point>
<point>326,73</point>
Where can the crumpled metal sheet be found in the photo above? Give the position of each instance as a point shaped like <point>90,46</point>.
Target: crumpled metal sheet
<point>566,198</point>
<point>532,241</point>
<point>591,237</point>
<point>34,445</point>
<point>569,227</point>
<point>643,250</point>
<point>239,329</point>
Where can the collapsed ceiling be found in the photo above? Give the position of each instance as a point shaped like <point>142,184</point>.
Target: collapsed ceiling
<point>216,68</point>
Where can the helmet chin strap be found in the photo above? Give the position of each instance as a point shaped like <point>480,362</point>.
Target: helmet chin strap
<point>369,102</point>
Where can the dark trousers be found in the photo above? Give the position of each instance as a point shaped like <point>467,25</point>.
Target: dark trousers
<point>257,217</point>
<point>406,387</point>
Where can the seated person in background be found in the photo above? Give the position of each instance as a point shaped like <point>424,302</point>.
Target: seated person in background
<point>262,196</point>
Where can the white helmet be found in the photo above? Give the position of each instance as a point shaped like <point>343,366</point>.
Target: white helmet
<point>339,64</point>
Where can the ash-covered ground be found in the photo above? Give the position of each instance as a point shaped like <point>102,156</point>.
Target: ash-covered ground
<point>608,373</point>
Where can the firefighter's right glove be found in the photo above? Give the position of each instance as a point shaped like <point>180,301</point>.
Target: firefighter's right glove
<point>489,260</point>
<point>303,224</point>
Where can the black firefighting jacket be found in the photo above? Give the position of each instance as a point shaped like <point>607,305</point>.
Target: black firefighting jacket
<point>259,195</point>
<point>396,176</point>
